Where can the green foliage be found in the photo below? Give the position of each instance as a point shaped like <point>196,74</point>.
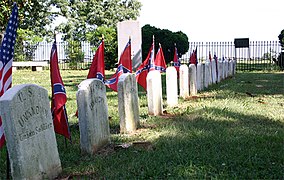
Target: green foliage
<point>167,39</point>
<point>74,54</point>
<point>110,39</point>
<point>280,59</point>
<point>85,16</point>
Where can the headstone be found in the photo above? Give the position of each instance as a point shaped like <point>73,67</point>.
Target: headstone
<point>93,115</point>
<point>210,73</point>
<point>154,93</point>
<point>206,74</point>
<point>223,70</point>
<point>183,81</point>
<point>132,29</point>
<point>231,65</point>
<point>29,132</point>
<point>226,68</point>
<point>234,67</point>
<point>172,89</point>
<point>199,72</point>
<point>202,76</point>
<point>128,106</point>
<point>214,72</point>
<point>192,80</point>
<point>220,70</point>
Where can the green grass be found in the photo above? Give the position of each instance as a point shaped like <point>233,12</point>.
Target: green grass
<point>234,129</point>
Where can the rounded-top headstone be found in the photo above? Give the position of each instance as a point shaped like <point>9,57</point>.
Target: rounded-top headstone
<point>29,131</point>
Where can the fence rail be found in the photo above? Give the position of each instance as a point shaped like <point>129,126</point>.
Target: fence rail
<point>258,56</point>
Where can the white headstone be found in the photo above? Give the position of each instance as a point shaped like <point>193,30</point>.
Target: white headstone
<point>172,89</point>
<point>29,131</point>
<point>214,71</point>
<point>154,93</point>
<point>210,73</point>
<point>207,76</point>
<point>126,29</point>
<point>199,72</point>
<point>226,68</point>
<point>183,81</point>
<point>234,67</point>
<point>231,66</point>
<point>128,106</point>
<point>93,115</point>
<point>192,80</point>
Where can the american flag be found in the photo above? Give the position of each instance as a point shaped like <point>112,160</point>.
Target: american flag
<point>6,59</point>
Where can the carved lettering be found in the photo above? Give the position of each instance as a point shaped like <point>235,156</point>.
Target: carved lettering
<point>25,117</point>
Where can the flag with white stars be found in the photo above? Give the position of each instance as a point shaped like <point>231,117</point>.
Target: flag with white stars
<point>6,59</point>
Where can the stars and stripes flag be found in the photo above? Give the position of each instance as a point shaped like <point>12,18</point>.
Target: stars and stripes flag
<point>97,69</point>
<point>176,60</point>
<point>6,59</point>
<point>160,63</point>
<point>124,66</point>
<point>145,67</point>
<point>59,98</point>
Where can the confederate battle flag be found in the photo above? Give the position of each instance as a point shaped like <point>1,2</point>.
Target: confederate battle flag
<point>59,98</point>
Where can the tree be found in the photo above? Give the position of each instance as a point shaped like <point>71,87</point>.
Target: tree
<point>167,39</point>
<point>35,18</point>
<point>88,20</point>
<point>280,59</point>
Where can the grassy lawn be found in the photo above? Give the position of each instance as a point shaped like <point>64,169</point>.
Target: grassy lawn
<point>234,129</point>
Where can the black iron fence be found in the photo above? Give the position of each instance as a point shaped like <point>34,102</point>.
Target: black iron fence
<point>259,55</point>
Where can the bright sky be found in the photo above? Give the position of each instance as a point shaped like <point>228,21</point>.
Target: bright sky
<point>216,20</point>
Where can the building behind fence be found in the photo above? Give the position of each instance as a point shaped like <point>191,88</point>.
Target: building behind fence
<point>258,56</point>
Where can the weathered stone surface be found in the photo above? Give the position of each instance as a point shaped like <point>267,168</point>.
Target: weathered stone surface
<point>128,106</point>
<point>192,80</point>
<point>172,86</point>
<point>132,29</point>
<point>183,81</point>
<point>93,115</point>
<point>226,68</point>
<point>154,93</point>
<point>206,74</point>
<point>199,76</point>
<point>210,73</point>
<point>29,131</point>
<point>214,71</point>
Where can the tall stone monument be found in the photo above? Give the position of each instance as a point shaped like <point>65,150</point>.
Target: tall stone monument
<point>29,131</point>
<point>128,106</point>
<point>93,115</point>
<point>132,29</point>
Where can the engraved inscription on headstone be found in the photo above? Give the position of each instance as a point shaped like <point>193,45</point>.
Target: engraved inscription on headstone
<point>29,132</point>
<point>93,115</point>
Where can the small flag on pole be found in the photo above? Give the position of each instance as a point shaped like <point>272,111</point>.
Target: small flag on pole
<point>97,69</point>
<point>124,66</point>
<point>176,60</point>
<point>59,98</point>
<point>160,63</point>
<point>6,59</point>
<point>145,67</point>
